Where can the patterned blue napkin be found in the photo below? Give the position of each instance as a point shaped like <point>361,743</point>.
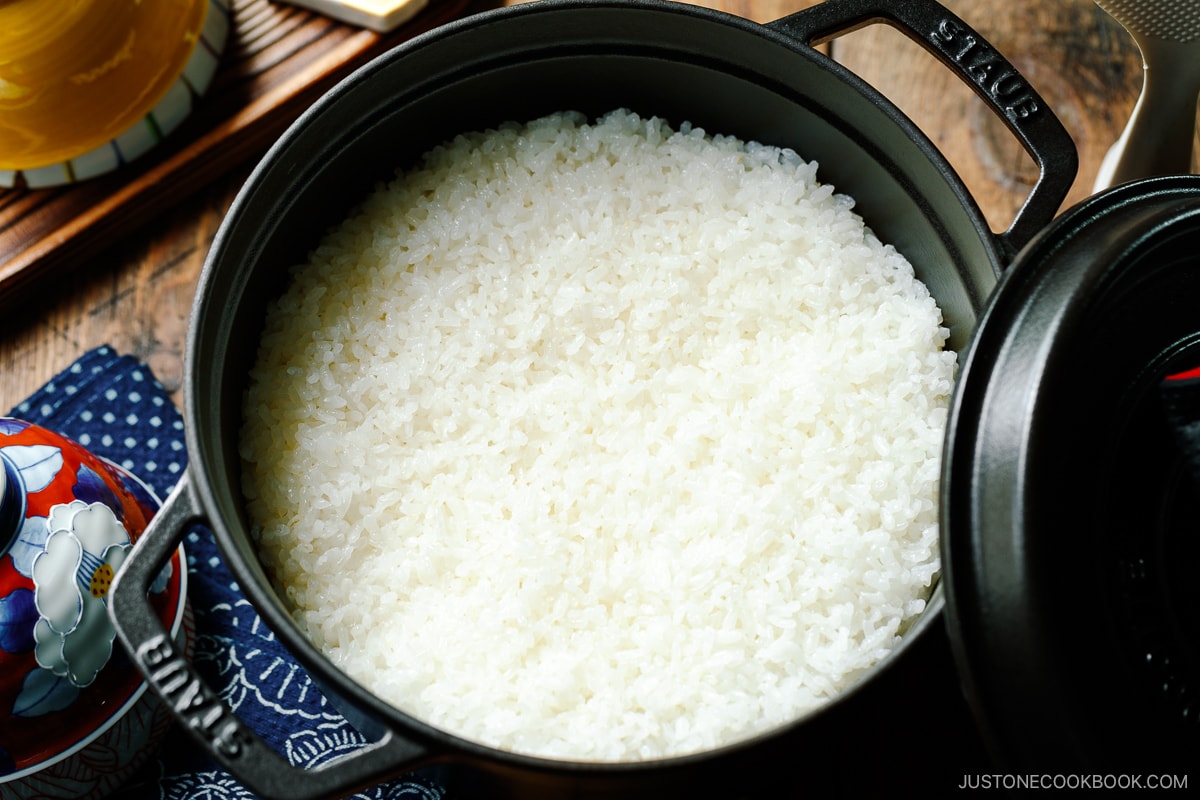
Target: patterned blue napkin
<point>114,406</point>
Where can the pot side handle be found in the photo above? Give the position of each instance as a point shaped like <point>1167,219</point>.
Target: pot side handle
<point>199,709</point>
<point>956,45</point>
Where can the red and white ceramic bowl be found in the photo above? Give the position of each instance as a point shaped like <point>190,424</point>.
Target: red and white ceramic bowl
<point>77,719</point>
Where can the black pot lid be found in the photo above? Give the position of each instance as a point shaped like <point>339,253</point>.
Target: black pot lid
<point>1071,518</point>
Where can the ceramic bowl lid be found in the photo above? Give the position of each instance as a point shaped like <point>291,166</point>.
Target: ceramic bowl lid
<point>67,521</point>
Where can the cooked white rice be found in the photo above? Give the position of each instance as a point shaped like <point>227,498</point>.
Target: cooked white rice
<point>601,441</point>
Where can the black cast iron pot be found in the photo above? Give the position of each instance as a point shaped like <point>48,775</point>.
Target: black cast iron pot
<point>680,62</point>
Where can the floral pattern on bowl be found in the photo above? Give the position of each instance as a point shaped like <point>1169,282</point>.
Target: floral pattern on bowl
<point>75,712</point>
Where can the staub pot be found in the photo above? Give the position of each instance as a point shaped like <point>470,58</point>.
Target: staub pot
<point>760,82</point>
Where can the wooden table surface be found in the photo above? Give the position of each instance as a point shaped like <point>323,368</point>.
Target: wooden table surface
<point>136,294</point>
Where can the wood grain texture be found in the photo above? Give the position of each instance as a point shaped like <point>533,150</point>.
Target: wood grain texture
<point>1085,66</point>
<point>279,59</point>
<point>136,292</point>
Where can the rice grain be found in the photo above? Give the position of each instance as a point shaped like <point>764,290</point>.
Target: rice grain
<point>601,440</point>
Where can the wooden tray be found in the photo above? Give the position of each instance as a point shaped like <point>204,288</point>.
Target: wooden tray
<point>278,60</point>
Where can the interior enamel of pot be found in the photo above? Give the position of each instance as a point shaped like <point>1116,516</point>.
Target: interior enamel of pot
<point>724,74</point>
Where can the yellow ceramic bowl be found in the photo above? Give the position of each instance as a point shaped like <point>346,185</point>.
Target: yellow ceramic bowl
<point>77,75</point>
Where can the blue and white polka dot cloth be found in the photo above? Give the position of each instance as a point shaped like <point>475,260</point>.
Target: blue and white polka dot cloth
<point>114,406</point>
